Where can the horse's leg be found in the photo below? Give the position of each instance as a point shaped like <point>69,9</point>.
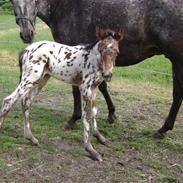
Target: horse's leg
<point>111,108</point>
<point>177,100</point>
<point>26,104</point>
<point>87,119</point>
<point>96,132</point>
<point>77,108</point>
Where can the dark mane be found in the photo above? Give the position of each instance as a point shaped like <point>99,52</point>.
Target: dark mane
<point>91,45</point>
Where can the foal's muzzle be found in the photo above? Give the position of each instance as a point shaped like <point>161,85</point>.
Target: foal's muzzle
<point>107,77</point>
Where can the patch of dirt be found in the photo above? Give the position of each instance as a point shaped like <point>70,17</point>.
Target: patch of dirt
<point>51,102</point>
<point>65,165</point>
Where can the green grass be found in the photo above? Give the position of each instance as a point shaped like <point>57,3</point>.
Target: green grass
<point>7,22</point>
<point>141,94</point>
<point>155,70</point>
<point>9,34</point>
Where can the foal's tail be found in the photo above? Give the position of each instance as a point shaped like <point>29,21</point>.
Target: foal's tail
<point>21,55</point>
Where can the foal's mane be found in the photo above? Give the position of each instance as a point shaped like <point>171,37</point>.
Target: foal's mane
<point>108,33</point>
<point>91,45</point>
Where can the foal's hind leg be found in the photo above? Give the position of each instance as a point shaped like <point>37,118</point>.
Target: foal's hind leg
<point>22,89</point>
<point>8,103</point>
<point>26,103</point>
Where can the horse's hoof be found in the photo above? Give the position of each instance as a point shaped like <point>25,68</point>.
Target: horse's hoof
<point>94,154</point>
<point>69,125</point>
<point>159,135</point>
<point>111,119</point>
<point>100,138</point>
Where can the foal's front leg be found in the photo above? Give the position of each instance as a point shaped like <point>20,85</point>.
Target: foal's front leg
<point>77,106</point>
<point>87,119</point>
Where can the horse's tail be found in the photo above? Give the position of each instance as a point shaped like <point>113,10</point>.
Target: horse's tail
<point>21,55</point>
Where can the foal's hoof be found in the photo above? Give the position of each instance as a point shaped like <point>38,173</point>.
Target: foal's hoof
<point>33,140</point>
<point>70,125</point>
<point>159,135</point>
<point>94,154</point>
<point>100,138</point>
<point>111,119</point>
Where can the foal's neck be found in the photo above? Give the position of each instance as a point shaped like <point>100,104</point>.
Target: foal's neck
<point>94,55</point>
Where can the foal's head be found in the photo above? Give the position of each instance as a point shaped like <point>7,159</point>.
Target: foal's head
<point>108,48</point>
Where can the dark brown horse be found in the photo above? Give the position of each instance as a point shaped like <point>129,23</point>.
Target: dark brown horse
<point>151,27</point>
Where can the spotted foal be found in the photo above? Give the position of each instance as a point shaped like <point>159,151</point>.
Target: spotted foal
<point>84,65</point>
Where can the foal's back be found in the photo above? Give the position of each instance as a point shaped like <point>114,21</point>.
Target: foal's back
<point>58,60</point>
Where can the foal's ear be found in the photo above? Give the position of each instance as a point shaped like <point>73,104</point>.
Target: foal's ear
<point>119,34</point>
<point>100,33</point>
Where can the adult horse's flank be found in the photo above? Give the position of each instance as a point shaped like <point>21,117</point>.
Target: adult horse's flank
<point>83,66</point>
<point>151,27</point>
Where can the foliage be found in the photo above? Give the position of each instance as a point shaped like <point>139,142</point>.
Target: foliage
<point>5,7</point>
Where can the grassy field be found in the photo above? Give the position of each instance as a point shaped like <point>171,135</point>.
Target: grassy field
<point>142,95</point>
